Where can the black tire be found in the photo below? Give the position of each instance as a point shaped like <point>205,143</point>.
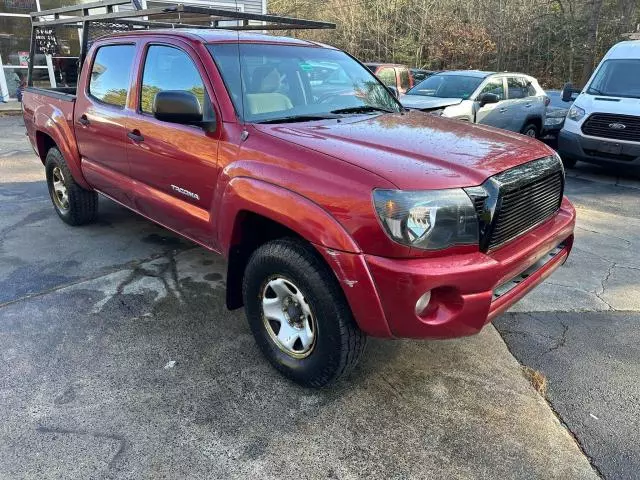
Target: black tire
<point>531,130</point>
<point>568,162</point>
<point>80,206</point>
<point>338,343</point>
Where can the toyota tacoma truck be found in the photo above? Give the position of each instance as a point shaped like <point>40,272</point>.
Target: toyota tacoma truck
<point>341,214</point>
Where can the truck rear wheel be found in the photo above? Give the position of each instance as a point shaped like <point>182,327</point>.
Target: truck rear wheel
<point>73,204</point>
<point>299,315</point>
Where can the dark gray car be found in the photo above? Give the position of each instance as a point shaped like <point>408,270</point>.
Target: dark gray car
<point>556,113</point>
<point>512,101</point>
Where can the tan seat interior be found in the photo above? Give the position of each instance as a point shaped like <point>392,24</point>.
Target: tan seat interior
<point>264,97</point>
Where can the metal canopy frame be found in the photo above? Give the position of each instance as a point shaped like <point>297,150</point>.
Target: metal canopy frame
<point>80,16</point>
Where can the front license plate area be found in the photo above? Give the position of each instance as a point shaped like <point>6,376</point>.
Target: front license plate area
<point>513,283</point>
<point>610,148</point>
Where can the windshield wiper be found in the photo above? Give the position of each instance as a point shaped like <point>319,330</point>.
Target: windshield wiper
<point>363,109</point>
<point>299,118</point>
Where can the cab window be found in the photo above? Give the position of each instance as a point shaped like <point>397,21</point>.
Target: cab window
<point>169,68</point>
<point>387,76</point>
<point>494,86</point>
<point>517,88</point>
<point>404,79</point>
<point>110,74</point>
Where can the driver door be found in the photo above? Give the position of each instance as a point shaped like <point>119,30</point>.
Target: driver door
<point>493,114</point>
<point>175,166</point>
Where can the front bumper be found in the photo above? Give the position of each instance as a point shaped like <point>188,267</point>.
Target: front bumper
<point>595,150</point>
<point>462,286</point>
<point>552,129</point>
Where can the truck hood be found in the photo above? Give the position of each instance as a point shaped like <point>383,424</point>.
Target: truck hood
<point>415,151</point>
<point>421,102</point>
<point>602,104</point>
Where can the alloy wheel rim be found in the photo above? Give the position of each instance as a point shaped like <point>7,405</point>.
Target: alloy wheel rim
<point>60,192</point>
<point>531,133</point>
<point>288,317</point>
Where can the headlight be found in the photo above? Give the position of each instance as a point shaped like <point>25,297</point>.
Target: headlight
<point>575,113</point>
<point>430,220</point>
<point>551,121</point>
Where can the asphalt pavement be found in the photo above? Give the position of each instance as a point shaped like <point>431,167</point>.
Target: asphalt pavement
<point>119,360</point>
<point>581,327</point>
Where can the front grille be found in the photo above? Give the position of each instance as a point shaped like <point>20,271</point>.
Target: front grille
<point>478,204</point>
<point>608,125</point>
<point>513,202</point>
<point>526,207</point>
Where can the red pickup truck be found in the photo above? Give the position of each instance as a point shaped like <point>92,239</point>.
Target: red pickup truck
<point>341,214</point>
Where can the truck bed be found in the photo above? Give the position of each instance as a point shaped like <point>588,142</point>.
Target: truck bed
<point>48,117</point>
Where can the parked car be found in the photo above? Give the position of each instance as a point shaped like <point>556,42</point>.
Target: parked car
<point>392,75</point>
<point>419,74</point>
<point>340,217</point>
<point>603,124</point>
<point>557,110</point>
<point>512,101</point>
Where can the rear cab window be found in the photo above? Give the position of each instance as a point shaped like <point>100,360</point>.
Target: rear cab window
<point>111,74</point>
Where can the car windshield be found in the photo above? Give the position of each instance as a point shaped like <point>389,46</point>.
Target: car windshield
<point>284,83</point>
<point>617,78</point>
<point>447,86</point>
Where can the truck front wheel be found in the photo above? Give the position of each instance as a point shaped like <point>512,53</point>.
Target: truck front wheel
<point>299,315</point>
<point>73,204</point>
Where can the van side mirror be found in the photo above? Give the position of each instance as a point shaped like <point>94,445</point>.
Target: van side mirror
<point>487,98</point>
<point>567,92</point>
<point>180,106</point>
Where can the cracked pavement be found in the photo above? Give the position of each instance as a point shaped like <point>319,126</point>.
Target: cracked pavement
<point>580,328</point>
<point>118,360</point>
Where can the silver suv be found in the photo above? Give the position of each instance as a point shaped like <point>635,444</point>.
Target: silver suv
<point>512,101</point>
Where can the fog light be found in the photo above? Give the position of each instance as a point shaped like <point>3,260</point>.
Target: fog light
<point>423,303</point>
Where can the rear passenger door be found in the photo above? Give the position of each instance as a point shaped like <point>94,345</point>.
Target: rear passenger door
<point>174,166</point>
<point>100,120</point>
<point>494,114</point>
<point>518,103</point>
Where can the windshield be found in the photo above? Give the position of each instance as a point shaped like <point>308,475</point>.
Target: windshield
<point>280,83</point>
<point>617,78</point>
<point>447,86</point>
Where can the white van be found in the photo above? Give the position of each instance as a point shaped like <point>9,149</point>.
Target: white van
<point>603,124</point>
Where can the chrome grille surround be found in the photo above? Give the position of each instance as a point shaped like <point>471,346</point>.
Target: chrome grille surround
<point>513,202</point>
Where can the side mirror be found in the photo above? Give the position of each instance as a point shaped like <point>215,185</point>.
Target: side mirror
<point>394,91</point>
<point>177,106</point>
<point>487,98</point>
<point>567,92</point>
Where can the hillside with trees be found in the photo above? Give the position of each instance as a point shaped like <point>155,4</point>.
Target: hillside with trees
<point>555,41</point>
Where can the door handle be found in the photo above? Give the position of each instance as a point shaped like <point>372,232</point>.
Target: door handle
<point>502,109</point>
<point>528,105</point>
<point>83,120</point>
<point>136,136</point>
